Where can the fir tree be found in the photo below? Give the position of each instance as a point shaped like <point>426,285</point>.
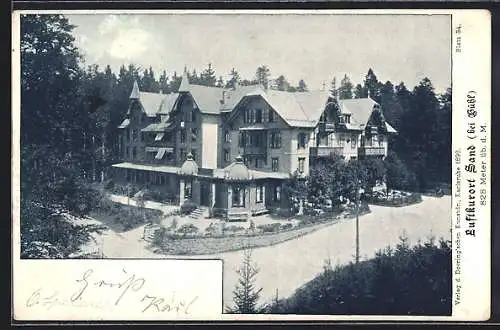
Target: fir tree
<point>245,294</point>
<point>345,89</point>
<point>262,75</point>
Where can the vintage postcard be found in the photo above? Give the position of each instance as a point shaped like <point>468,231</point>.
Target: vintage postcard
<point>251,165</point>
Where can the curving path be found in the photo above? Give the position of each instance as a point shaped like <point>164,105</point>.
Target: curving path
<point>289,265</point>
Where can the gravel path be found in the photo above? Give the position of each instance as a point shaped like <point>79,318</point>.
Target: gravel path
<point>289,265</point>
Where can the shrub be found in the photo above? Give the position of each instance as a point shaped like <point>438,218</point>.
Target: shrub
<point>234,228</point>
<point>270,228</point>
<point>187,207</point>
<point>211,229</point>
<point>187,228</point>
<point>286,226</point>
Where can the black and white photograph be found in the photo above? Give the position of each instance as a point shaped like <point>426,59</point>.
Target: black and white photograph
<point>310,153</point>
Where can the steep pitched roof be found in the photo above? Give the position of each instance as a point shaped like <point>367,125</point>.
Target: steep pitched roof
<point>208,98</point>
<point>299,109</point>
<point>151,102</point>
<point>167,103</point>
<point>360,110</point>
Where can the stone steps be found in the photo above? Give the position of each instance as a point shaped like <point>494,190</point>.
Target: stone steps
<point>197,213</point>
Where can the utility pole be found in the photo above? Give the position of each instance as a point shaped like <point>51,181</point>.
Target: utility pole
<point>357,219</point>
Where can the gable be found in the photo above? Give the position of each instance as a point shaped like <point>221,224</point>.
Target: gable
<point>295,110</point>
<point>237,118</point>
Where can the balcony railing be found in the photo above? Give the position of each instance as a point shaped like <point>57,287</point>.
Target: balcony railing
<point>326,151</point>
<point>252,150</point>
<point>327,127</point>
<point>371,151</point>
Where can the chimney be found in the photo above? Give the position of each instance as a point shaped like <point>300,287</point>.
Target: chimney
<point>223,97</point>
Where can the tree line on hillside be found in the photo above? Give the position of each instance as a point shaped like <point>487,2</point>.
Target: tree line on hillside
<point>70,114</point>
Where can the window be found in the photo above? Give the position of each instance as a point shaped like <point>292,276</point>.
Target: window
<point>193,152</point>
<point>275,140</point>
<point>134,135</point>
<point>259,163</point>
<point>354,141</point>
<point>242,139</point>
<point>277,194</point>
<point>301,141</point>
<point>302,162</point>
<point>375,139</point>
<point>272,118</point>
<point>381,141</point>
<point>227,137</point>
<point>238,196</point>
<point>129,175</point>
<point>258,115</point>
<point>193,116</point>
<point>188,189</point>
<point>182,153</point>
<point>275,165</point>
<point>347,119</point>
<point>183,136</point>
<point>259,194</point>
<point>341,140</point>
<point>134,152</point>
<point>127,152</point>
<point>227,155</point>
<point>127,135</point>
<point>368,141</point>
<point>194,134</point>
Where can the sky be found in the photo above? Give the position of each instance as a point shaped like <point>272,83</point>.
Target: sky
<point>316,48</point>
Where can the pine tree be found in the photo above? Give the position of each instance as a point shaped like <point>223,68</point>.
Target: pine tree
<point>262,75</point>
<point>245,294</point>
<point>175,83</point>
<point>163,82</point>
<point>372,86</point>
<point>345,89</point>
<point>208,77</point>
<point>235,78</point>
<point>281,84</point>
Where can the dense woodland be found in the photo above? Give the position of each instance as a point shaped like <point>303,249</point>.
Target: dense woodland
<point>70,112</point>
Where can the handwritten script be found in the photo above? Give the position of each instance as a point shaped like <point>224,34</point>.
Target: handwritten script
<point>93,291</point>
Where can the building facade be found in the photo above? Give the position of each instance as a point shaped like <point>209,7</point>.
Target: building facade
<point>230,150</point>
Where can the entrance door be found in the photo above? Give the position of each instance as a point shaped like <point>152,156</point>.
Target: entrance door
<point>205,194</point>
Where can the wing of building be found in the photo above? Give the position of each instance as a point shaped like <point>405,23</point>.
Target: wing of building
<point>230,149</point>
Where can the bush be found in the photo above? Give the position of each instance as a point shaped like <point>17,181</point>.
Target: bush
<point>400,281</point>
<point>234,229</point>
<point>270,228</point>
<point>395,199</point>
<point>187,229</point>
<point>187,207</point>
<point>286,226</point>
